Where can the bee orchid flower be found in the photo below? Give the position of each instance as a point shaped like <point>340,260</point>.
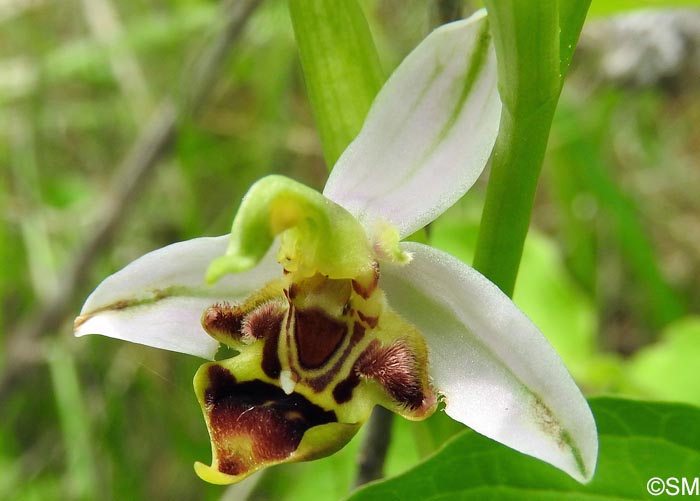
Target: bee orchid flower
<point>331,313</point>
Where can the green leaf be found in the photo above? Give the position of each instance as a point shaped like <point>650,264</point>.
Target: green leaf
<point>609,7</point>
<point>638,441</point>
<point>526,36</point>
<point>668,369</point>
<point>571,17</point>
<point>341,68</point>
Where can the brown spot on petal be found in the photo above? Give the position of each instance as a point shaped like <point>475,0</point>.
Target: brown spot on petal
<point>319,383</point>
<point>343,391</point>
<point>369,320</point>
<point>365,288</point>
<point>271,365</point>
<point>397,369</point>
<point>254,423</point>
<point>317,336</point>
<point>265,322</point>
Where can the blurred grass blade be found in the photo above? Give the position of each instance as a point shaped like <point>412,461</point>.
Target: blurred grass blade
<point>341,68</point>
<point>81,473</point>
<point>581,174</point>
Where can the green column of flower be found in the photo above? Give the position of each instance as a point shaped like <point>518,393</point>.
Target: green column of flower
<point>534,42</point>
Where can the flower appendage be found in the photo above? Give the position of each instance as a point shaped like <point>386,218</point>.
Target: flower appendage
<point>331,314</point>
<point>319,347</point>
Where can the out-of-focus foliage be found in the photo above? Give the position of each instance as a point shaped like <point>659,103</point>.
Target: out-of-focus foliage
<point>668,369</point>
<point>609,272</point>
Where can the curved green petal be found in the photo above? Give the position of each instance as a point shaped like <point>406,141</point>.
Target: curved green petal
<point>318,236</point>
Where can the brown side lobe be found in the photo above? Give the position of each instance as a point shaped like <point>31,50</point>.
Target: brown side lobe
<point>397,369</point>
<point>253,423</point>
<point>317,336</point>
<point>263,321</point>
<point>223,322</point>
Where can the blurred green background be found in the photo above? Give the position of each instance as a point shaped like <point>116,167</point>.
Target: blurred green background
<point>610,271</point>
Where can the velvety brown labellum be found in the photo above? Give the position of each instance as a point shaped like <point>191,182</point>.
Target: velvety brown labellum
<point>319,383</point>
<point>317,336</point>
<point>253,422</point>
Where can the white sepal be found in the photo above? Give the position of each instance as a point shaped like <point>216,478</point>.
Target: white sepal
<point>158,299</point>
<point>498,373</point>
<point>428,134</point>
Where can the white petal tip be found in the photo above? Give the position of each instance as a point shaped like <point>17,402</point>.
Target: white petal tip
<point>498,373</point>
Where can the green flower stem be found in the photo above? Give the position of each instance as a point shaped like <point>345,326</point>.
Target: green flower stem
<point>534,41</point>
<point>341,68</point>
<point>509,197</point>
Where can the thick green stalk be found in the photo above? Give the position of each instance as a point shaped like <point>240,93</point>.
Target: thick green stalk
<point>341,68</point>
<point>533,56</point>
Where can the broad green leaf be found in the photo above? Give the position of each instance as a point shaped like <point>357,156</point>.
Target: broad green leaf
<point>341,68</point>
<point>571,17</point>
<point>668,369</point>
<point>526,36</point>
<point>609,7</point>
<point>639,440</point>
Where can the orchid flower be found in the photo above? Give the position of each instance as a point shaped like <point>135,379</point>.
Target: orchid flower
<point>331,314</point>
